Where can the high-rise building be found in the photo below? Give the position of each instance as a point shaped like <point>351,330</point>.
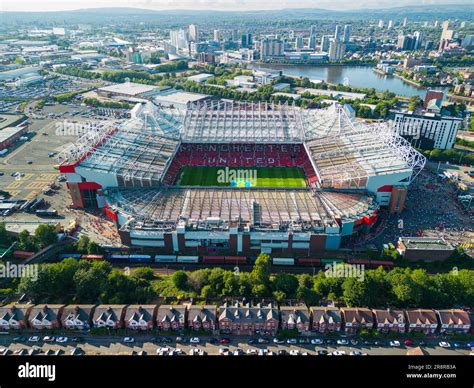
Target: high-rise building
<point>380,23</point>
<point>390,24</point>
<point>217,35</point>
<point>338,33</point>
<point>193,33</point>
<point>313,31</point>
<point>405,21</point>
<point>418,36</point>
<point>337,50</point>
<point>312,42</point>
<point>246,40</point>
<point>271,48</point>
<point>179,38</point>
<point>347,33</point>
<point>299,42</point>
<point>291,35</point>
<point>406,42</point>
<point>325,40</point>
<point>235,35</point>
<point>446,34</point>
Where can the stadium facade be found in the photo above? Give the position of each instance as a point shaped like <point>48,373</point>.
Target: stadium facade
<point>133,173</point>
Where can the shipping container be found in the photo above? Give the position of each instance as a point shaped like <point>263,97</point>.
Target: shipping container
<point>68,255</point>
<point>235,260</point>
<point>188,259</point>
<point>331,261</point>
<point>140,259</point>
<point>92,257</point>
<point>213,260</point>
<point>165,259</point>
<point>305,261</point>
<point>22,254</point>
<point>119,258</point>
<point>283,261</point>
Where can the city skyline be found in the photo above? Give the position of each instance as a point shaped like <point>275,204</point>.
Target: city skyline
<point>213,5</point>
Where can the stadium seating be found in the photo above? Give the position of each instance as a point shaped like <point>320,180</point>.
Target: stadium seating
<point>240,155</point>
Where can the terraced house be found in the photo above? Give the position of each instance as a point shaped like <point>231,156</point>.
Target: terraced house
<point>171,317</point>
<point>295,317</point>
<point>390,320</point>
<point>245,318</point>
<point>77,317</point>
<point>14,316</point>
<point>138,317</point>
<point>325,319</point>
<point>422,320</point>
<point>454,321</point>
<point>43,316</point>
<point>109,315</point>
<point>202,317</point>
<point>357,318</point>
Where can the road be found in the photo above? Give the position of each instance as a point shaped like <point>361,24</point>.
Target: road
<point>113,345</point>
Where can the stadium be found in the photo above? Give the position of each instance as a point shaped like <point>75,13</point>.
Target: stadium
<point>237,179</point>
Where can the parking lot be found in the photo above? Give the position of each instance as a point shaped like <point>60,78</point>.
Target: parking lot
<point>114,345</point>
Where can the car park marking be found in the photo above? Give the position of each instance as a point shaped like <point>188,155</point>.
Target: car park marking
<point>46,177</point>
<point>31,195</point>
<point>36,185</point>
<point>15,184</point>
<point>14,193</point>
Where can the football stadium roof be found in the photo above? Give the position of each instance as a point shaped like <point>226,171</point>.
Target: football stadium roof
<point>345,154</point>
<point>220,208</point>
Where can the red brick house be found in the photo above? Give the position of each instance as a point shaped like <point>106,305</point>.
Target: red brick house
<point>14,316</point>
<point>295,317</point>
<point>325,319</point>
<point>357,318</point>
<point>43,316</point>
<point>170,317</point>
<point>109,315</point>
<point>202,317</point>
<point>454,321</point>
<point>421,320</point>
<point>390,320</point>
<point>140,317</point>
<point>77,317</point>
<point>243,318</point>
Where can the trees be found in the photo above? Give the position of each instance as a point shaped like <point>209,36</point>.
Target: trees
<point>180,279</point>
<point>26,242</point>
<point>4,237</point>
<point>46,235</point>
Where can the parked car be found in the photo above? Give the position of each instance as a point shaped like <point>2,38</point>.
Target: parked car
<point>342,342</point>
<point>354,342</point>
<point>395,344</point>
<point>223,351</point>
<point>408,342</point>
<point>322,352</point>
<point>20,338</point>
<point>77,339</point>
<point>238,352</point>
<point>252,341</point>
<point>224,341</point>
<point>278,341</point>
<point>294,352</point>
<point>445,344</point>
<point>48,338</point>
<point>303,341</point>
<point>262,340</point>
<point>34,338</point>
<point>61,340</point>
<point>316,341</point>
<point>128,340</point>
<point>282,352</point>
<point>195,340</point>
<point>338,353</point>
<point>291,341</point>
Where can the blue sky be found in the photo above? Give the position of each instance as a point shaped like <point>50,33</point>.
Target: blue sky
<point>60,5</point>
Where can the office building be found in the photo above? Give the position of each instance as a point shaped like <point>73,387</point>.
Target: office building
<point>271,48</point>
<point>312,42</point>
<point>193,33</point>
<point>347,33</point>
<point>325,40</point>
<point>338,33</point>
<point>428,130</point>
<point>299,42</point>
<point>337,50</point>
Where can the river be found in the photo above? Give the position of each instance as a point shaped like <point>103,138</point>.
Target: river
<point>355,76</point>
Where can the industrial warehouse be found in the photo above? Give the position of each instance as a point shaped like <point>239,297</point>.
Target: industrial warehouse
<point>304,181</point>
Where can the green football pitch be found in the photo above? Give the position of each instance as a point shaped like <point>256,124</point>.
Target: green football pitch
<point>243,177</point>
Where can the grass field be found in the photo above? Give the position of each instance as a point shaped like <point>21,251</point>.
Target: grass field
<point>243,177</point>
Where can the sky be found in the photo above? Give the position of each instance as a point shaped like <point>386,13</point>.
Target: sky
<point>225,5</point>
